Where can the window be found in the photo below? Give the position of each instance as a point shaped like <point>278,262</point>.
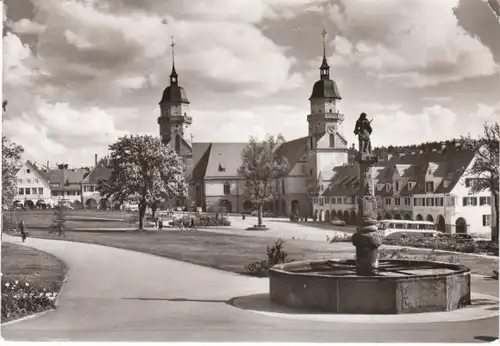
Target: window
<point>332,140</point>
<point>311,145</point>
<point>410,185</point>
<point>21,191</point>
<point>486,220</point>
<point>446,183</point>
<point>387,186</point>
<point>388,201</point>
<point>221,169</point>
<point>396,186</point>
<point>407,200</point>
<point>327,200</point>
<point>429,186</point>
<point>467,182</point>
<point>27,191</point>
<point>321,201</point>
<point>227,188</point>
<point>430,201</point>
<point>78,193</point>
<point>177,144</point>
<point>439,201</point>
<point>484,200</point>
<point>283,187</point>
<point>28,171</point>
<point>346,200</point>
<point>397,201</point>
<point>415,202</point>
<point>339,200</point>
<point>40,190</point>
<point>91,188</point>
<point>472,201</point>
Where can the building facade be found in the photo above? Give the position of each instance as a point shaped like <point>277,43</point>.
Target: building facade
<point>33,189</point>
<point>414,185</point>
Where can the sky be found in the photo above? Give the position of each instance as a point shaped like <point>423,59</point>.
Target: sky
<point>78,74</point>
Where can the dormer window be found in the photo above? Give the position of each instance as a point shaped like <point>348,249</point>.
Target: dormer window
<point>396,185</point>
<point>446,183</point>
<point>410,185</point>
<point>221,169</point>
<point>429,186</point>
<point>387,186</point>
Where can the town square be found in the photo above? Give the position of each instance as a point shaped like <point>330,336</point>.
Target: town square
<point>236,171</point>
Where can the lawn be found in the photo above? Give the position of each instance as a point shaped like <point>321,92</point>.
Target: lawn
<point>232,252</point>
<point>77,219</point>
<point>30,282</point>
<point>24,263</point>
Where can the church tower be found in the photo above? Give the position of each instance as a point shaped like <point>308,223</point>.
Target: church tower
<point>174,120</point>
<point>327,147</point>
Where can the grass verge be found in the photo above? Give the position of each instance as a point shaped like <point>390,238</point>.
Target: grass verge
<point>233,252</point>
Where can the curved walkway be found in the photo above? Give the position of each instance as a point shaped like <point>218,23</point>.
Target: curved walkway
<point>119,295</point>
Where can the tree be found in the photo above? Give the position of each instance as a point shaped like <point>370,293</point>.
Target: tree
<point>485,170</point>
<point>11,163</point>
<point>261,165</point>
<point>58,218</point>
<point>144,171</point>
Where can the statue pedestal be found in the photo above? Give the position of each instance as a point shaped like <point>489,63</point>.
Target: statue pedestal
<point>366,240</point>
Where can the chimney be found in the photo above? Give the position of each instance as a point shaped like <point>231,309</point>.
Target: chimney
<point>95,159</point>
<point>48,165</point>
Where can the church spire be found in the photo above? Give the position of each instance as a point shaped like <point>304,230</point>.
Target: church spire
<point>173,74</point>
<point>324,68</point>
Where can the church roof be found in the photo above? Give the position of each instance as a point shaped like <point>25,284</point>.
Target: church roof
<point>174,94</point>
<point>325,88</point>
<point>293,150</point>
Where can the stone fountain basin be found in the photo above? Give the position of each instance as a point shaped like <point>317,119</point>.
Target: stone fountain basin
<point>401,286</point>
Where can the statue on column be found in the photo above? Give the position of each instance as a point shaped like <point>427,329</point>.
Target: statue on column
<point>363,130</point>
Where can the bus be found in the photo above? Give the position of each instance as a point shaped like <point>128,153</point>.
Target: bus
<point>407,226</point>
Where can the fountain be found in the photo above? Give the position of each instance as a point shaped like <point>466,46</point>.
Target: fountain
<point>365,286</point>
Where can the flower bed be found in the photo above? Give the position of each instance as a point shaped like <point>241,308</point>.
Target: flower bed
<point>20,299</point>
<point>201,221</point>
<point>449,242</point>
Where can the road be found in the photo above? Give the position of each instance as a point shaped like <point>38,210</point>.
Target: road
<point>119,295</point>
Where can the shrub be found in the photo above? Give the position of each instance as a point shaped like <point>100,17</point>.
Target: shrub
<point>399,254</point>
<point>201,220</point>
<point>275,255</point>
<point>21,299</point>
<point>447,242</point>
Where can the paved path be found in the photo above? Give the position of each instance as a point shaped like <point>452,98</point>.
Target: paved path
<point>119,295</point>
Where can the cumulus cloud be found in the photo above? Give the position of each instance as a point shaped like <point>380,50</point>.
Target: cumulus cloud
<point>393,125</point>
<point>417,44</point>
<point>26,26</point>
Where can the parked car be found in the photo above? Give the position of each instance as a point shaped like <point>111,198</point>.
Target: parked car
<point>133,207</point>
<point>337,222</point>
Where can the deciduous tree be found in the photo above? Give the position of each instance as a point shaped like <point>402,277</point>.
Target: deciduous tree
<point>11,163</point>
<point>485,170</point>
<point>260,167</point>
<point>143,170</point>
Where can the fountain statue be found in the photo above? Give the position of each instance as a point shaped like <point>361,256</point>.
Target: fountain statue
<point>366,240</point>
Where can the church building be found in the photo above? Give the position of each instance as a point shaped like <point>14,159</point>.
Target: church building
<point>213,166</point>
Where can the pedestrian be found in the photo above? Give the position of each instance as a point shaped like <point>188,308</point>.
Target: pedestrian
<point>243,216</point>
<point>160,224</point>
<point>24,232</point>
<point>192,224</point>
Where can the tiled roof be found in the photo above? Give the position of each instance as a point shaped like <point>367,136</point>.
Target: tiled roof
<point>100,171</point>
<point>448,164</point>
<point>201,154</point>
<point>66,176</point>
<point>224,160</point>
<point>293,150</point>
